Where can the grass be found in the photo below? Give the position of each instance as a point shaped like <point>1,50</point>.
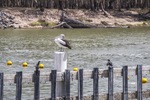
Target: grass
<point>35,24</point>
<point>41,22</point>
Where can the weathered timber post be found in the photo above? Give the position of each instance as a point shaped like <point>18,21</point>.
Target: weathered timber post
<point>95,84</point>
<point>110,80</point>
<point>1,85</point>
<point>18,81</point>
<point>53,84</point>
<point>36,80</point>
<point>60,64</point>
<point>125,82</point>
<point>139,82</point>
<point>80,84</point>
<point>67,84</point>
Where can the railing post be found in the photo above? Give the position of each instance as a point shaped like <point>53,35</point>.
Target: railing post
<point>95,83</point>
<point>139,82</point>
<point>18,81</point>
<point>125,82</point>
<point>80,84</point>
<point>67,84</point>
<point>110,83</point>
<point>53,84</point>
<point>1,85</point>
<point>36,80</point>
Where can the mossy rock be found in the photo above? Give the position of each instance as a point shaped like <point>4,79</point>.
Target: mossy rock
<point>41,21</point>
<point>88,20</point>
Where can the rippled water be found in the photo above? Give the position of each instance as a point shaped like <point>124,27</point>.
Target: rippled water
<point>90,48</point>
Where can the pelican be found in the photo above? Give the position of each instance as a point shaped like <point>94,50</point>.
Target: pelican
<point>61,42</point>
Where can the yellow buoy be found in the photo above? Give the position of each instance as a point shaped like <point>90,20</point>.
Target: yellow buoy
<point>144,80</point>
<point>75,69</point>
<point>9,62</point>
<point>41,66</point>
<point>25,64</point>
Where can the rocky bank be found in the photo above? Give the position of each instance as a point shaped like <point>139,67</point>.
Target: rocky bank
<point>34,18</point>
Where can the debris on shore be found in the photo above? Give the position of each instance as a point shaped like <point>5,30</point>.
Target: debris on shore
<point>6,20</point>
<point>74,18</point>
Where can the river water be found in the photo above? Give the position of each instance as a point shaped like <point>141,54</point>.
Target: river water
<point>90,48</point>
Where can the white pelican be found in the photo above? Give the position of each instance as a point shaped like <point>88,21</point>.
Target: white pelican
<point>61,42</point>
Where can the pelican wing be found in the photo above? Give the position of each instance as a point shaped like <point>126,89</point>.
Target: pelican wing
<point>67,43</point>
<point>61,41</point>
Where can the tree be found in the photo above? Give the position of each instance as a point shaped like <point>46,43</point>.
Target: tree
<point>80,4</point>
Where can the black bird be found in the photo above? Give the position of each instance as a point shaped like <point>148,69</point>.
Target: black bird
<point>109,63</point>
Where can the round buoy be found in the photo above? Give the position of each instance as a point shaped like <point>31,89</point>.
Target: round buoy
<point>75,69</point>
<point>9,62</point>
<point>144,80</point>
<point>25,64</point>
<point>41,66</point>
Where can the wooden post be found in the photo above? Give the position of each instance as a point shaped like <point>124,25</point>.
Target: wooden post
<point>125,82</point>
<point>60,64</point>
<point>1,85</point>
<point>139,82</point>
<point>18,81</point>
<point>80,84</point>
<point>36,80</point>
<point>110,83</point>
<point>95,84</point>
<point>67,84</point>
<point>53,84</point>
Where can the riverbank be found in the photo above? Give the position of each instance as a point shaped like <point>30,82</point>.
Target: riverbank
<point>34,18</point>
